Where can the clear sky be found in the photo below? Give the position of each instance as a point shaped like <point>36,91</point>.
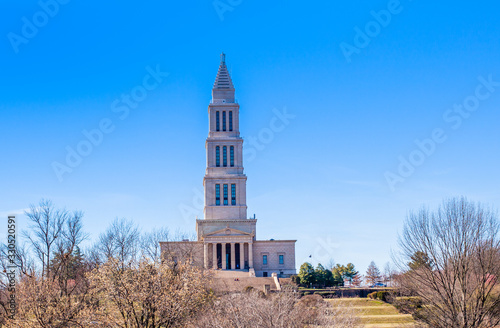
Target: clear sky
<point>359,82</point>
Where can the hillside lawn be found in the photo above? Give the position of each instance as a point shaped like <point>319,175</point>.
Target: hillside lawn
<point>376,314</point>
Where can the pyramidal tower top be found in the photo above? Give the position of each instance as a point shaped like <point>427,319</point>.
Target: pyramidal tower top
<point>223,90</point>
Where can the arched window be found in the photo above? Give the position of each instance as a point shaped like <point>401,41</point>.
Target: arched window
<point>217,194</point>
<point>224,121</point>
<point>217,121</point>
<point>224,156</point>
<point>231,155</point>
<point>231,120</point>
<point>217,156</point>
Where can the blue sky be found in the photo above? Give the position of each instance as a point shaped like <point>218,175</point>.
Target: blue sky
<point>322,179</point>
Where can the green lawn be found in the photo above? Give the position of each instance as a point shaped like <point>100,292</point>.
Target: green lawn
<point>377,314</point>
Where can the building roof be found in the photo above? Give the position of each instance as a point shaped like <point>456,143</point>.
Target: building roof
<point>223,79</point>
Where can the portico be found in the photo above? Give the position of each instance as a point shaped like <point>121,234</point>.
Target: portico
<point>228,249</point>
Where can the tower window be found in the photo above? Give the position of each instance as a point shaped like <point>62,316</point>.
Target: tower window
<point>231,120</point>
<point>233,194</point>
<point>217,121</point>
<point>282,259</point>
<point>225,194</point>
<point>264,259</point>
<point>217,194</point>
<point>224,156</point>
<point>231,155</point>
<point>224,121</point>
<point>217,156</point>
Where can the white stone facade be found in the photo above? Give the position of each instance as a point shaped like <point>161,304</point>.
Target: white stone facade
<point>226,236</point>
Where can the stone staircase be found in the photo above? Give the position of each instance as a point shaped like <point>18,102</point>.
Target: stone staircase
<point>236,281</point>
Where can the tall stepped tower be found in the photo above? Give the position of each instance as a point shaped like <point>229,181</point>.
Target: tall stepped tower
<point>227,233</point>
<point>224,182</point>
<point>226,236</point>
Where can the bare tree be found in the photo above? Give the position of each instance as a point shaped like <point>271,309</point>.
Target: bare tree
<point>389,273</point>
<point>282,309</point>
<point>120,242</point>
<point>150,243</point>
<point>47,224</point>
<point>147,294</point>
<point>41,303</point>
<point>451,260</point>
<point>372,274</point>
<point>53,294</point>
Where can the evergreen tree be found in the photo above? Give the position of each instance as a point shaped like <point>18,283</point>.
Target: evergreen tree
<point>323,277</point>
<point>349,272</point>
<point>67,265</point>
<point>337,273</point>
<point>420,260</point>
<point>306,274</point>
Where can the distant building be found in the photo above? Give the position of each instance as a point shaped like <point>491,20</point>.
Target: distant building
<point>226,236</point>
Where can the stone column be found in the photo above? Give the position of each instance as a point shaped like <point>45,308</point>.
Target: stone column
<point>250,255</point>
<point>242,256</point>
<point>223,255</point>
<point>214,264</point>
<point>205,255</point>
<point>233,257</point>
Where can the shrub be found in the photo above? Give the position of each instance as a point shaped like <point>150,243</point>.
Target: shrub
<point>325,294</point>
<point>248,289</point>
<point>384,296</point>
<point>295,279</point>
<point>311,300</point>
<point>372,295</point>
<point>408,305</point>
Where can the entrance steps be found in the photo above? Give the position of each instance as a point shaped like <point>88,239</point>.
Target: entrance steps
<point>231,273</point>
<point>238,280</point>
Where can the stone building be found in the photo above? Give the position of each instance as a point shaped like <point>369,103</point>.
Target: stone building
<point>226,237</point>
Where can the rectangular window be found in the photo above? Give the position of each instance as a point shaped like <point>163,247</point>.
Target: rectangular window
<point>217,156</point>
<point>224,121</point>
<point>217,194</point>
<point>231,152</point>
<point>217,121</point>
<point>233,194</point>
<point>282,259</point>
<point>230,120</point>
<point>224,156</point>
<point>225,194</point>
<point>264,259</point>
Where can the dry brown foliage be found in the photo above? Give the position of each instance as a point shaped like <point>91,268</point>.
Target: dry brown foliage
<point>148,295</point>
<point>280,309</point>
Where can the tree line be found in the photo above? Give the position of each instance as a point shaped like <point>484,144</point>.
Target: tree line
<point>124,281</point>
<point>448,269</point>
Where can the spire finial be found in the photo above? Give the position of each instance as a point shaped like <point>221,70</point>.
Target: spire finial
<point>223,58</point>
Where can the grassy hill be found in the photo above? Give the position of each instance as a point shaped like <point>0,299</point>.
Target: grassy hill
<point>377,314</point>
